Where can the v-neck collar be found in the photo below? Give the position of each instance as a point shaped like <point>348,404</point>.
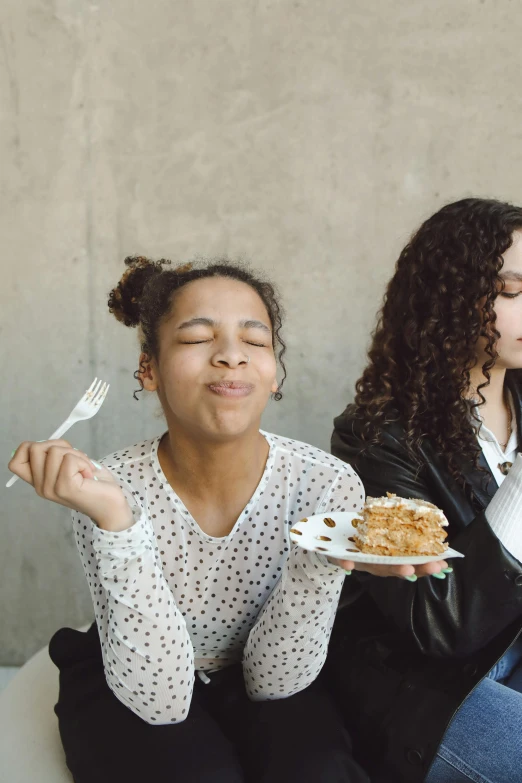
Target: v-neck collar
<point>181,507</point>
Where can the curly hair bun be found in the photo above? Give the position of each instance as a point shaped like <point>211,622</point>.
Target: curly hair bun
<point>124,300</point>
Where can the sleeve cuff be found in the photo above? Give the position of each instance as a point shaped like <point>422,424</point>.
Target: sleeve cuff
<point>124,542</point>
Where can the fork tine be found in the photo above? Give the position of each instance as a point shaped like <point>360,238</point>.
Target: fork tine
<point>91,387</point>
<point>104,394</point>
<point>101,395</point>
<point>95,391</point>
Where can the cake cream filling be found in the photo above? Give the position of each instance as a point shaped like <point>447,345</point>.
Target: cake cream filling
<point>397,525</point>
<point>419,507</point>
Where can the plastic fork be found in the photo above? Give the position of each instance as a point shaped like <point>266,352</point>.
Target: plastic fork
<point>87,407</point>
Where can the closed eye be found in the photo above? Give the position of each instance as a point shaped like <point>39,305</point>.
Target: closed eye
<point>199,342</point>
<point>510,296</point>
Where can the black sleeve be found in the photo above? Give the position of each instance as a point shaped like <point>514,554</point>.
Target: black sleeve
<point>452,617</point>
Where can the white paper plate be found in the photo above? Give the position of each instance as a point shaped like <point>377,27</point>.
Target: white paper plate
<point>319,535</point>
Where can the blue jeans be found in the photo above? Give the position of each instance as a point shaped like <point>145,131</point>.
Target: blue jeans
<point>484,741</point>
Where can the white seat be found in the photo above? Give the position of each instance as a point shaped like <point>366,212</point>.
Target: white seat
<point>30,746</point>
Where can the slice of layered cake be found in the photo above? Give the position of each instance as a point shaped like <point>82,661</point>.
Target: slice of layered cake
<point>397,527</point>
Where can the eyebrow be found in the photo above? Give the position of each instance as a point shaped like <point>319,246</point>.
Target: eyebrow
<point>202,321</point>
<point>516,276</point>
<point>255,325</point>
<point>196,322</point>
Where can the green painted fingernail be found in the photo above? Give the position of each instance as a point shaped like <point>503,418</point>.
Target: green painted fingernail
<point>412,578</point>
<point>96,478</point>
<point>13,453</point>
<point>440,575</point>
<point>40,441</point>
<point>96,465</point>
<point>347,573</point>
<point>448,570</point>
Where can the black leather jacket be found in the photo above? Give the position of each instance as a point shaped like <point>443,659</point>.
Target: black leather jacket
<point>403,655</point>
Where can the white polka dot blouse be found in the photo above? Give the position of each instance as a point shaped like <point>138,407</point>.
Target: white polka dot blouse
<point>170,600</point>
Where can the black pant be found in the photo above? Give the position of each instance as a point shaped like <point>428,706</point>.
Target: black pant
<point>225,738</point>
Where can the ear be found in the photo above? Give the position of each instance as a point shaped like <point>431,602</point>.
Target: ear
<point>147,374</point>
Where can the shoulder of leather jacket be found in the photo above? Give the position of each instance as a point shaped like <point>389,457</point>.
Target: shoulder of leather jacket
<point>478,485</point>
<point>392,430</point>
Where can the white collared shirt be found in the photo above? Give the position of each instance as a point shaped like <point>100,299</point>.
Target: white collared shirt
<point>492,450</point>
<point>504,513</point>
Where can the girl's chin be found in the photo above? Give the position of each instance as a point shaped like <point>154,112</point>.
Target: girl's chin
<point>228,424</point>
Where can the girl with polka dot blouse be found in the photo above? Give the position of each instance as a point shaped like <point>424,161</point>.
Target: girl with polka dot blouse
<point>211,627</point>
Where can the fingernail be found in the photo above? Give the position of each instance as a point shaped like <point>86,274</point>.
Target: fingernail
<point>347,573</point>
<point>75,449</point>
<point>440,575</point>
<point>96,478</point>
<point>412,578</point>
<point>13,453</point>
<point>40,441</point>
<point>96,465</point>
<point>448,570</point>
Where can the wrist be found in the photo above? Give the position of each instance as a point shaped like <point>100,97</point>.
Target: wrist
<point>117,520</point>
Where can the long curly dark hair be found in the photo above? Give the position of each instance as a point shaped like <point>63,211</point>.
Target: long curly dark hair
<point>437,305</point>
<point>144,296</point>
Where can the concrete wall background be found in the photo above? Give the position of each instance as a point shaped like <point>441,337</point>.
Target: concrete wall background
<point>310,137</point>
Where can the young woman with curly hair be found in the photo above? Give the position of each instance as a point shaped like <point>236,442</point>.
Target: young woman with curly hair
<point>211,628</point>
<point>434,681</point>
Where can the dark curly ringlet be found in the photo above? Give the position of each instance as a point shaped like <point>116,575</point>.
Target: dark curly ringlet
<point>145,293</point>
<point>437,305</point>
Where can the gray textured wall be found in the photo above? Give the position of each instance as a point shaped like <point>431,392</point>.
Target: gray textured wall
<point>309,137</point>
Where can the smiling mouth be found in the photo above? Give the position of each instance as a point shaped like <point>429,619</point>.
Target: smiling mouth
<point>231,388</point>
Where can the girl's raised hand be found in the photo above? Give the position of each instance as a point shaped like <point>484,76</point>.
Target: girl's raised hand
<point>64,475</point>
